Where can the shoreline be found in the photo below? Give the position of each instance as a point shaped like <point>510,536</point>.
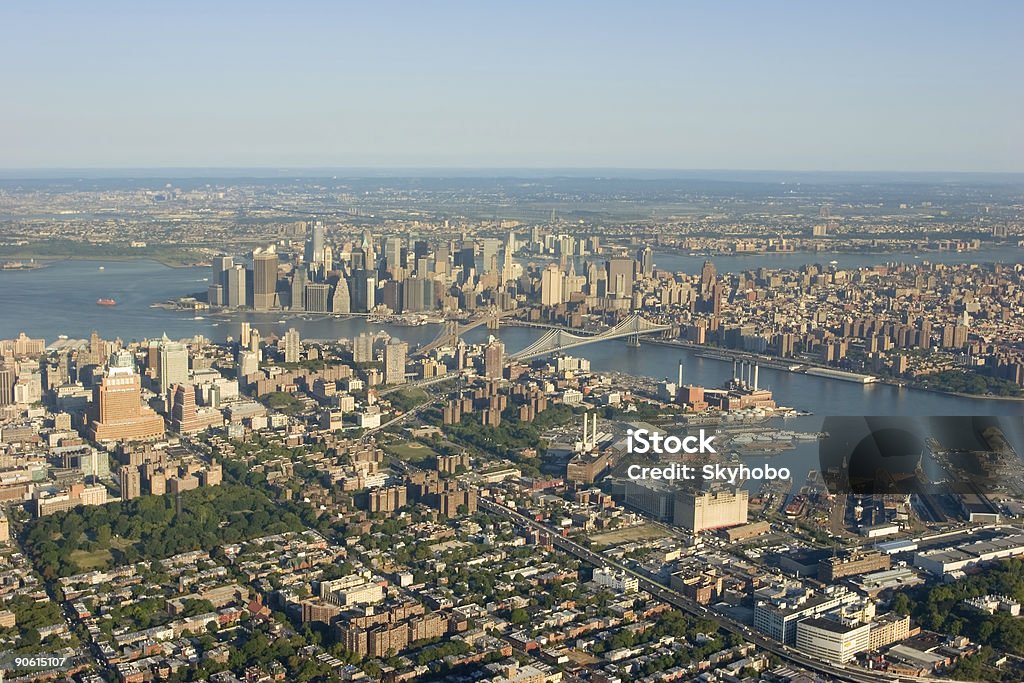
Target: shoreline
<point>51,259</point>
<point>780,364</point>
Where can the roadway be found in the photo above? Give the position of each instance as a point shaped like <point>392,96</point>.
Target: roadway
<point>672,597</point>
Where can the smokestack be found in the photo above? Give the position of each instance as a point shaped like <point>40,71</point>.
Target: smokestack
<point>755,376</point>
<point>750,373</point>
<point>734,375</point>
<point>585,425</point>
<point>679,384</point>
<point>594,427</point>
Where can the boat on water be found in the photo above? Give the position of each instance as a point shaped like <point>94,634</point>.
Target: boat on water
<point>102,268</point>
<point>105,302</point>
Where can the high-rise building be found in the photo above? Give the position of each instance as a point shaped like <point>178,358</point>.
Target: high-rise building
<point>7,379</point>
<point>551,286</point>
<point>362,348</point>
<point>620,276</point>
<point>494,359</point>
<point>318,297</point>
<point>364,291</point>
<point>172,364</point>
<point>131,482</point>
<point>292,346</point>
<point>219,269</point>
<point>645,257</point>
<point>489,255</point>
<point>314,252</point>
<point>264,279</point>
<point>117,410</point>
<point>299,281</point>
<point>234,290</point>
<point>341,301</point>
<point>395,352</point>
<point>393,253</point>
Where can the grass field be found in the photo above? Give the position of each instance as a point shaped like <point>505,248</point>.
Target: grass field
<point>95,559</point>
<point>643,532</point>
<point>411,451</point>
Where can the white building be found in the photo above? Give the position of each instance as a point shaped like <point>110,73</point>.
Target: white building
<point>617,581</point>
<point>831,641</point>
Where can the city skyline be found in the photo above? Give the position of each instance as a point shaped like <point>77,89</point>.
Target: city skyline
<point>663,86</point>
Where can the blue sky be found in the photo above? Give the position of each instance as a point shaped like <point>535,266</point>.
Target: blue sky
<point>913,86</point>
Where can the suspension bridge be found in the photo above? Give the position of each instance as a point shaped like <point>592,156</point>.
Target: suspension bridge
<point>452,330</point>
<point>558,340</point>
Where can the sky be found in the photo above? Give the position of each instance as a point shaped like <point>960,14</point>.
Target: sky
<point>866,86</point>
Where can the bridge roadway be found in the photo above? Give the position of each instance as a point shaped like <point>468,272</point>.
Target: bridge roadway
<point>836,671</point>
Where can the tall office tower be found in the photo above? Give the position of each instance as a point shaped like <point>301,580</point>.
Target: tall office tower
<point>318,297</point>
<point>328,259</point>
<point>219,270</point>
<point>645,257</point>
<point>708,277</point>
<point>245,334</point>
<point>117,410</point>
<point>292,346</point>
<point>494,359</point>
<point>566,245</point>
<point>362,348</point>
<point>442,257</point>
<point>414,293</point>
<point>420,249</point>
<point>364,291</point>
<point>506,262</point>
<point>172,366</point>
<point>395,352</point>
<point>299,282</point>
<point>391,295</point>
<point>254,341</point>
<point>393,253</point>
<point>7,379</point>
<point>315,243</point>
<point>551,286</point>
<point>341,302</point>
<point>536,239</point>
<point>489,255</point>
<point>264,279</point>
<point>620,276</point>
<point>131,482</point>
<point>369,255</point>
<point>234,292</point>
<point>184,414</point>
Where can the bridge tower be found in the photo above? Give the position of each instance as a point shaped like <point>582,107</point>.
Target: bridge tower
<point>494,319</point>
<point>633,340</point>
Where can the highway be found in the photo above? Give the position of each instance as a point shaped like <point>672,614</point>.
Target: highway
<point>672,597</point>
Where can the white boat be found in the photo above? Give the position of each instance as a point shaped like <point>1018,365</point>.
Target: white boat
<point>102,268</point>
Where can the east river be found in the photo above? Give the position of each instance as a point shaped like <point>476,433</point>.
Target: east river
<point>61,299</point>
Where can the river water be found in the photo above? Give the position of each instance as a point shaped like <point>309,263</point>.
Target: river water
<point>61,299</point>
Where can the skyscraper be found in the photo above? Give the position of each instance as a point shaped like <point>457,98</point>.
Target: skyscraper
<point>341,302</point>
<point>117,410</point>
<point>314,252</point>
<point>620,276</point>
<point>364,291</point>
<point>393,253</point>
<point>131,482</point>
<point>234,290</point>
<point>7,378</point>
<point>362,348</point>
<point>395,352</point>
<point>645,257</point>
<point>292,346</point>
<point>299,281</point>
<point>494,359</point>
<point>219,269</point>
<point>264,279</point>
<point>551,286</point>
<point>172,365</point>
<point>318,297</point>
